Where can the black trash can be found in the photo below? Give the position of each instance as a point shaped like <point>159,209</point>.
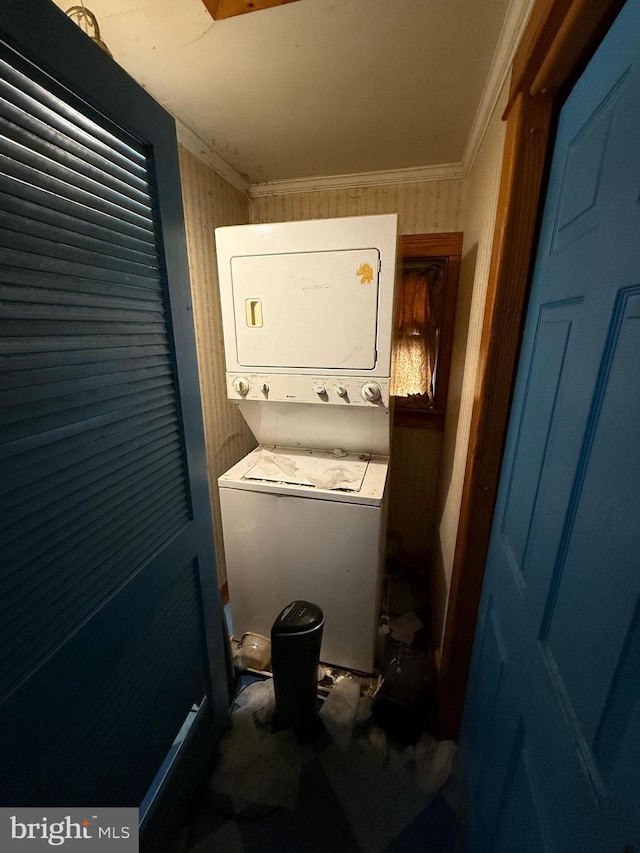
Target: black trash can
<point>296,636</point>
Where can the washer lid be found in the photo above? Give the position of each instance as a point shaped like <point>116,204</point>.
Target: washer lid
<point>321,469</point>
<point>335,472</point>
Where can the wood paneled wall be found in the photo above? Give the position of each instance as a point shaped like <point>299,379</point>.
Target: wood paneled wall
<point>209,201</point>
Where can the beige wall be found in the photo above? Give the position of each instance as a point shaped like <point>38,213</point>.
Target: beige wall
<point>422,207</point>
<point>210,201</point>
<point>478,220</point>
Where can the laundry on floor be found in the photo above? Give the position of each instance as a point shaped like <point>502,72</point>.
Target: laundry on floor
<point>370,789</point>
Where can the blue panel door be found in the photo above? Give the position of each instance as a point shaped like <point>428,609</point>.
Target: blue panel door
<point>551,731</point>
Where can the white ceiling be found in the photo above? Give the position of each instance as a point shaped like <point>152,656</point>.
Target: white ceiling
<point>320,87</point>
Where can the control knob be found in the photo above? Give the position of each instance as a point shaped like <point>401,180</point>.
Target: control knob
<point>264,387</point>
<point>341,391</point>
<point>320,389</point>
<point>241,386</point>
<point>371,392</point>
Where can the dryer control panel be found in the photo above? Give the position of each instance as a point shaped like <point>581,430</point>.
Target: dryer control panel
<point>324,390</point>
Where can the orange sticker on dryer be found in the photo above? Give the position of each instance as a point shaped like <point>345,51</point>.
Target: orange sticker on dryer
<point>365,271</point>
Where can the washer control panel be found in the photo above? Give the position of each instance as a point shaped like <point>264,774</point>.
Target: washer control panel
<point>324,390</point>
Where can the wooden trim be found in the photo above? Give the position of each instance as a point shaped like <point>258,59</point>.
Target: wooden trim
<point>559,39</point>
<point>544,23</point>
<point>219,9</point>
<point>584,22</point>
<point>448,325</point>
<point>560,36</point>
<point>435,245</point>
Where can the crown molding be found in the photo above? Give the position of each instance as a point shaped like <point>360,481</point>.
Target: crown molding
<point>199,148</point>
<point>513,26</point>
<point>445,172</point>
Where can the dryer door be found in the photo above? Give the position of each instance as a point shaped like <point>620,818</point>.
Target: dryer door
<point>316,310</point>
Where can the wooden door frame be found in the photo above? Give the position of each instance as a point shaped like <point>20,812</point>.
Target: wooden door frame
<point>560,38</point>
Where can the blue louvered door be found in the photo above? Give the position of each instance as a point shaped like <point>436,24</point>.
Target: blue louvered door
<point>110,627</point>
<point>551,734</point>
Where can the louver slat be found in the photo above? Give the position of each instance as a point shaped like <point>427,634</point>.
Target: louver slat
<point>60,115</point>
<point>19,396</point>
<point>55,464</point>
<point>61,211</point>
<point>65,186</point>
<point>113,483</point>
<point>60,284</point>
<point>31,645</point>
<point>33,444</point>
<point>34,137</point>
<point>34,253</point>
<point>67,367</point>
<point>65,231</point>
<point>30,161</point>
<point>92,471</point>
<point>149,657</point>
<point>18,108</point>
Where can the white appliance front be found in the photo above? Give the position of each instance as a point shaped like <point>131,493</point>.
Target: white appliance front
<point>306,310</point>
<point>353,428</point>
<point>309,297</point>
<point>323,543</point>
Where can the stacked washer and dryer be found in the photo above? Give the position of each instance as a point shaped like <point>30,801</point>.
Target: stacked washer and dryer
<point>307,310</point>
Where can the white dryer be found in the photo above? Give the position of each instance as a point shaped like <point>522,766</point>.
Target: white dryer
<point>307,313</point>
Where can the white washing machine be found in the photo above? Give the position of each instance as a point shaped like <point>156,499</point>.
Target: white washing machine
<point>307,524</point>
<point>307,313</point>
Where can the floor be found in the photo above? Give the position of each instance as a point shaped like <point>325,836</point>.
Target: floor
<point>372,780</point>
<point>351,789</point>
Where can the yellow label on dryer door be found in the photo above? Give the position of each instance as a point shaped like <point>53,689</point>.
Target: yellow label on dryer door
<point>365,271</point>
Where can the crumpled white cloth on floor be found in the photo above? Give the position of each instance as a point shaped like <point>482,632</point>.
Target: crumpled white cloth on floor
<point>339,711</point>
